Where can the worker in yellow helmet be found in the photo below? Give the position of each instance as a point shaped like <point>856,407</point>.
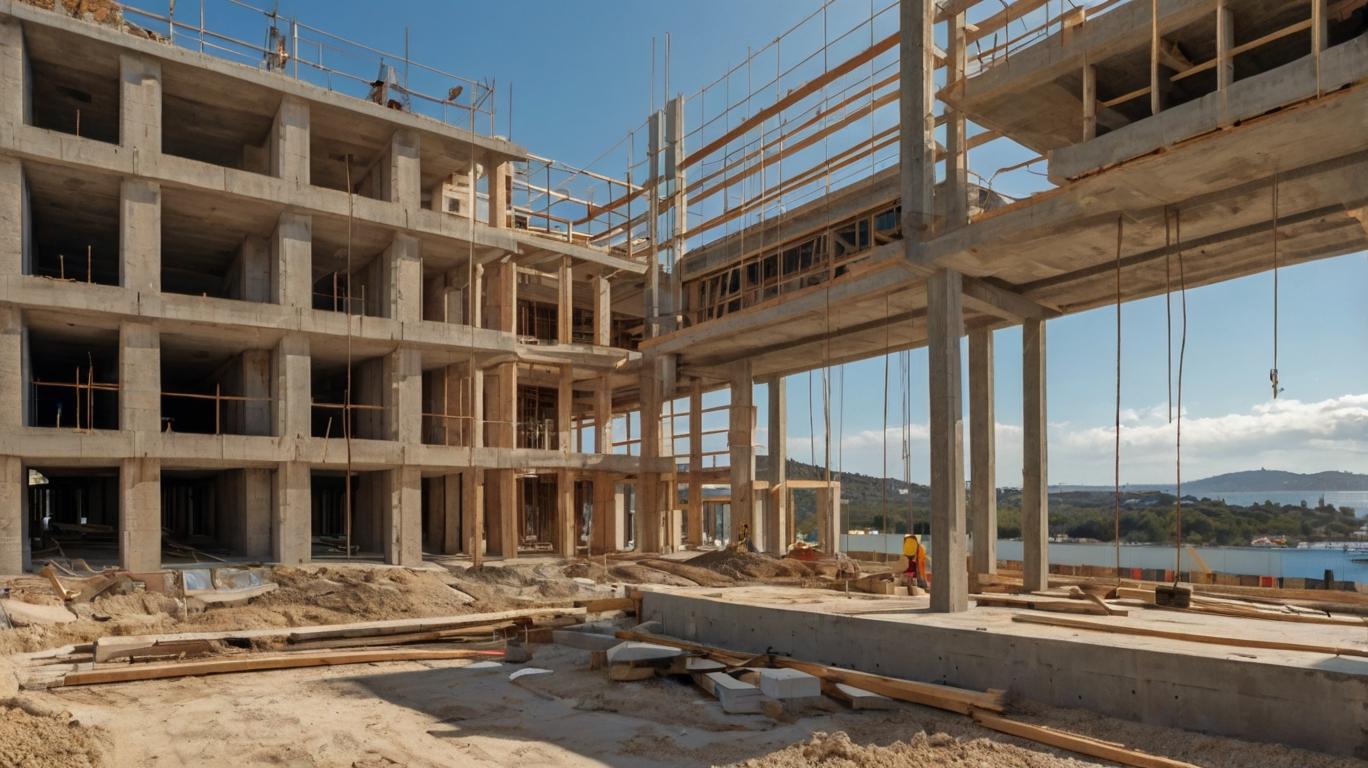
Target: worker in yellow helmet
<point>918,563</point>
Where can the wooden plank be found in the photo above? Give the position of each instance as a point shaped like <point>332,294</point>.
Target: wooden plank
<point>1072,742</point>
<point>944,697</point>
<point>489,631</point>
<point>405,626</point>
<point>606,604</point>
<point>1239,642</point>
<point>257,663</point>
<point>1058,606</point>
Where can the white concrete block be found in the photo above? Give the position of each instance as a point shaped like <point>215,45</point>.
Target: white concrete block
<point>623,653</point>
<point>737,697</point>
<point>789,684</point>
<point>859,698</point>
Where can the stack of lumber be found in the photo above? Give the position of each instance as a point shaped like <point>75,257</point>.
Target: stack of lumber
<point>1243,607</point>
<point>116,659</point>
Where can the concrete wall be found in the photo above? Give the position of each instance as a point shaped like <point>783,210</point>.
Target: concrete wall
<point>1322,706</point>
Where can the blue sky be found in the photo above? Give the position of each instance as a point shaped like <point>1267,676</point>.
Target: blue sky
<point>580,75</point>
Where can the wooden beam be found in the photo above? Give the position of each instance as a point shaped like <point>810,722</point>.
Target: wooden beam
<point>259,663</point>
<point>1083,745</point>
<point>1192,637</point>
<point>1225,40</point>
<point>1013,11</point>
<point>1089,103</point>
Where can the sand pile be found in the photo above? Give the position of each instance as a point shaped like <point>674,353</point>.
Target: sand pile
<point>34,739</point>
<point>939,750</point>
<point>750,566</point>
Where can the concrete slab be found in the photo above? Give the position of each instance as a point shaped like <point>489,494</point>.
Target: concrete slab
<point>737,697</point>
<point>585,641</point>
<point>859,698</point>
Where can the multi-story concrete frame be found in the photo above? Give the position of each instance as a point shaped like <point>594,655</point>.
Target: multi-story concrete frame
<point>228,284</point>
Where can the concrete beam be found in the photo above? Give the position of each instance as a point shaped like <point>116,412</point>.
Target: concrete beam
<point>15,83</point>
<point>1035,499</point>
<point>401,180</point>
<point>991,299</point>
<point>945,318</point>
<point>982,454</point>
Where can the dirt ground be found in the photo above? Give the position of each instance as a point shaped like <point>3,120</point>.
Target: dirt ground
<point>460,713</point>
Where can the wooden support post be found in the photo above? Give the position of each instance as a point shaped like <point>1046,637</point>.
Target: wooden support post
<point>945,319</point>
<point>565,408</point>
<point>1320,35</point>
<point>983,453</point>
<point>1035,500</point>
<point>1089,102</point>
<point>1156,89</point>
<point>567,533</point>
<point>694,521</point>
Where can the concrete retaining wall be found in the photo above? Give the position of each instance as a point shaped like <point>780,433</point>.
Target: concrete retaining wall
<point>1323,707</point>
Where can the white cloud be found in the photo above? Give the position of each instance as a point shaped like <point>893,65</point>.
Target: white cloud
<point>1283,434</point>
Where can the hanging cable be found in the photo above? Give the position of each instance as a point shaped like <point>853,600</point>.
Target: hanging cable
<point>1273,372</point>
<point>1168,310</point>
<point>1120,227</point>
<point>347,395</point>
<point>1178,440</point>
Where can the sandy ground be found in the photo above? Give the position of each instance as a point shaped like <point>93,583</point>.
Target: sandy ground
<point>463,714</point>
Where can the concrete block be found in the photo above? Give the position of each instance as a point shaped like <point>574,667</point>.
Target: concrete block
<point>23,614</point>
<point>623,653</point>
<point>789,684</point>
<point>694,664</point>
<point>737,697</point>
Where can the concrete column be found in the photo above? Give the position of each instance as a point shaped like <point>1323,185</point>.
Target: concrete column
<point>565,302</point>
<point>14,219</point>
<point>403,267</point>
<point>501,512</point>
<point>289,141</point>
<point>14,389</point>
<point>140,235</point>
<point>694,515</point>
<point>251,274</point>
<point>291,514</point>
<point>450,510</point>
<point>140,104</point>
<point>777,533</point>
<point>829,518</point>
<point>256,384</point>
<point>498,192</point>
<point>140,514</point>
<point>650,535</point>
<point>292,261</point>
<point>603,533</point>
<point>401,181</point>
<point>567,534</point>
<point>244,498</point>
<point>945,320</point>
<point>741,442</point>
<point>472,514</point>
<point>982,455</point>
<point>403,396</point>
<point>917,142</point>
<point>13,516</point>
<point>15,82</point>
<point>403,517</point>
<point>140,379</point>
<point>603,311</point>
<point>1035,499</point>
<point>292,397</point>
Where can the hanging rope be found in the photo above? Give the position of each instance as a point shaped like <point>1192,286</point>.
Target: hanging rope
<point>883,479</point>
<point>1178,441</point>
<point>1168,310</point>
<point>1120,227</point>
<point>1273,372</point>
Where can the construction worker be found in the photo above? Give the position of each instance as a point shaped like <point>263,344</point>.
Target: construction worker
<point>918,562</point>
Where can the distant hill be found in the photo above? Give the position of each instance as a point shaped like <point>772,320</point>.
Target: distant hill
<point>1261,480</point>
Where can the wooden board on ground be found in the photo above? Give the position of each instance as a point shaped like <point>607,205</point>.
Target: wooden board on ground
<point>1241,642</point>
<point>405,626</point>
<point>1083,745</point>
<point>1046,604</point>
<point>607,604</point>
<point>261,662</point>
